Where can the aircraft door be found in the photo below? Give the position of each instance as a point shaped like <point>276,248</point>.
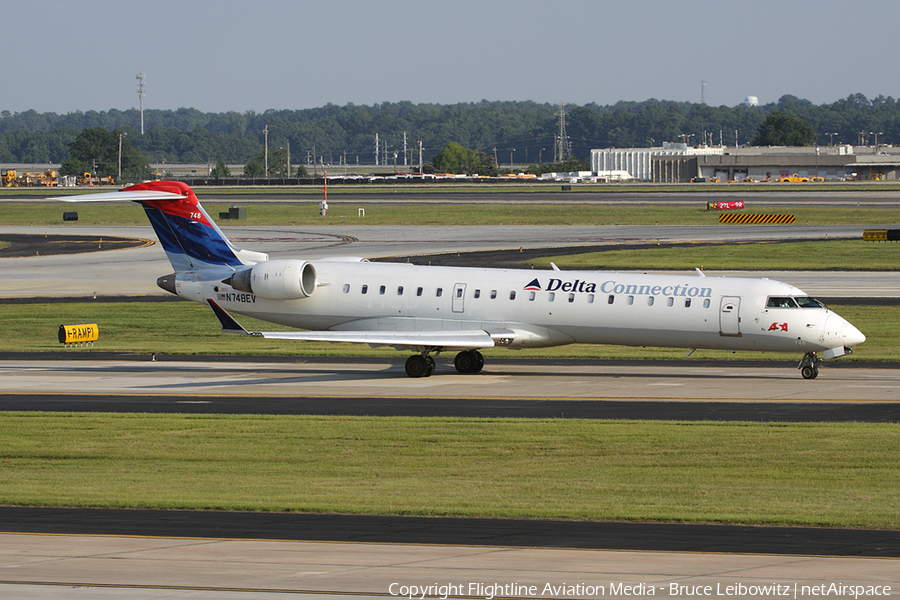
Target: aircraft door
<point>730,316</point>
<point>459,297</point>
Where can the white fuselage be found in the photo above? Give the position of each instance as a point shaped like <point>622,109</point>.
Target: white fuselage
<point>541,308</point>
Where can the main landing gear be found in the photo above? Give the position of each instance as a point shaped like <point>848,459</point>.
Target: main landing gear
<point>469,361</point>
<point>422,365</point>
<point>809,366</point>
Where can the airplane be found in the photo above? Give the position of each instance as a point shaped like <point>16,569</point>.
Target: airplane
<point>434,309</point>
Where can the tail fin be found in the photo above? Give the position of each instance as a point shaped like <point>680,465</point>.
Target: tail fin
<point>188,235</point>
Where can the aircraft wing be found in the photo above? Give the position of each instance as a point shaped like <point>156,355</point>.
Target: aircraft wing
<point>416,340</point>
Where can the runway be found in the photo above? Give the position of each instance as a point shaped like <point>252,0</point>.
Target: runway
<point>61,553</point>
<point>506,388</point>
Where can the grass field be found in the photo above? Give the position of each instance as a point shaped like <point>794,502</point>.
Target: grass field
<point>803,474</point>
<point>830,255</point>
<point>452,213</point>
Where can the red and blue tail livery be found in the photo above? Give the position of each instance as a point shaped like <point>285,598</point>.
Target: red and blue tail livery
<point>189,236</point>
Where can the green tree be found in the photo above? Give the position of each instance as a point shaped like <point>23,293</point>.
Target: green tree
<point>784,129</point>
<point>453,158</point>
<point>255,167</point>
<point>96,150</point>
<point>221,170</point>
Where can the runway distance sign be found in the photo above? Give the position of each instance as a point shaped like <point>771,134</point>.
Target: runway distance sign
<point>78,333</point>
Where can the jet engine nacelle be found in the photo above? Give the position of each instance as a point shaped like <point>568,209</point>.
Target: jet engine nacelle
<point>277,279</point>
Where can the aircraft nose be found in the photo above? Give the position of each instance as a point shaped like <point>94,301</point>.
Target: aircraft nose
<point>852,336</point>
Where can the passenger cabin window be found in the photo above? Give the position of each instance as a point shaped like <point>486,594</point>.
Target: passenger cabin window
<point>706,303</point>
<point>419,292</point>
<point>400,290</point>
<point>611,299</point>
<point>439,292</point>
<point>512,295</point>
<point>571,297</point>
<point>493,294</point>
<point>478,293</point>
<point>670,302</point>
<point>781,302</point>
<point>650,300</point>
<point>687,302</point>
<point>365,288</point>
<point>459,292</point>
<point>381,290</point>
<point>590,298</point>
<point>346,288</point>
<point>630,300</point>
<point>531,296</point>
<point>551,296</point>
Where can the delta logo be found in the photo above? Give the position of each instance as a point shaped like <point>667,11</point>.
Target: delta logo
<point>555,285</point>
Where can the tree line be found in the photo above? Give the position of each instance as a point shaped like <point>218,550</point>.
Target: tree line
<point>507,132</point>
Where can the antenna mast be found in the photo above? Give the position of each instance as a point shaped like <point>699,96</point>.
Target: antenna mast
<point>140,77</point>
<point>562,149</point>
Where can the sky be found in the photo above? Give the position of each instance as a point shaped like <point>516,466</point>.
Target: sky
<point>223,55</point>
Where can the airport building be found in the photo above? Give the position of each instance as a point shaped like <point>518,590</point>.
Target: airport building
<point>674,163</point>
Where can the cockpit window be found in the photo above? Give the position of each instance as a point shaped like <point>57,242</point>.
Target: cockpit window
<point>788,302</point>
<point>781,302</point>
<point>807,302</point>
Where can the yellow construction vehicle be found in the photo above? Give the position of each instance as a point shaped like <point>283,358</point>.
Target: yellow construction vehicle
<point>12,178</point>
<point>88,179</point>
<point>793,179</point>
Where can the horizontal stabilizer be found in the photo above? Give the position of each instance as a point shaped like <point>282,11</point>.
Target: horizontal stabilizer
<point>120,196</point>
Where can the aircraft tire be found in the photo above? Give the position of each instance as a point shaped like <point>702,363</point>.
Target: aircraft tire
<point>809,372</point>
<point>469,361</point>
<point>417,366</point>
<point>464,362</point>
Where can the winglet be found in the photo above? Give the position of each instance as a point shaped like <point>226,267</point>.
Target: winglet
<point>227,321</point>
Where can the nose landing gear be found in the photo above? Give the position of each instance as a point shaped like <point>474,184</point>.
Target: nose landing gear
<point>809,366</point>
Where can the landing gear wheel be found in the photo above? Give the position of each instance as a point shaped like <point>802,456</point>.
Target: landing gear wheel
<point>469,361</point>
<point>464,361</point>
<point>417,366</point>
<point>809,366</point>
<point>431,366</point>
